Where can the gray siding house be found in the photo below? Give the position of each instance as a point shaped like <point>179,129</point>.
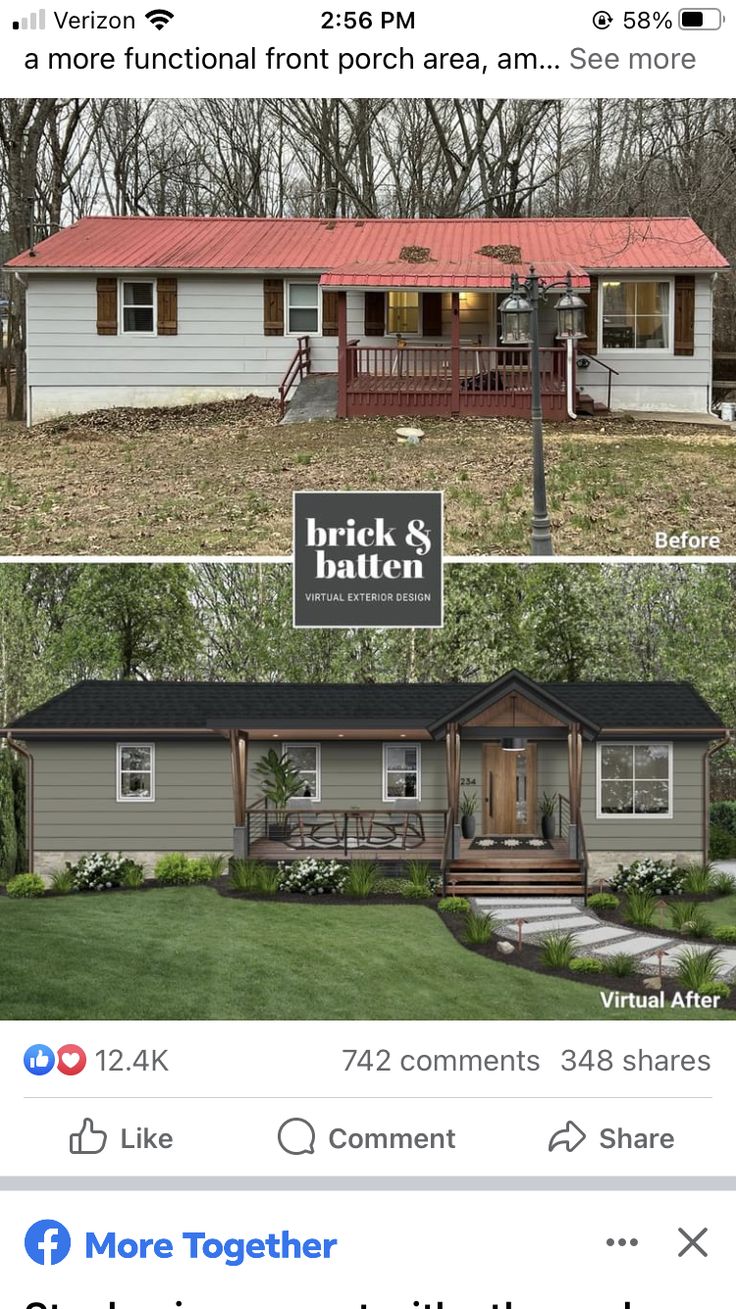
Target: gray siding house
<point>146,768</point>
<point>405,313</point>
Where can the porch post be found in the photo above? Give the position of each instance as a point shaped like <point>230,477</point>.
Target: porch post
<point>342,354</point>
<point>455,353</point>
<point>238,763</point>
<point>452,742</point>
<point>572,838</point>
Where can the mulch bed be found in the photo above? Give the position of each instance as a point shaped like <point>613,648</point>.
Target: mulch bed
<point>618,917</point>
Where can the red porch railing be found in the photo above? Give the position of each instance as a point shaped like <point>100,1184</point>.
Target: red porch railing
<point>429,379</point>
<point>298,368</point>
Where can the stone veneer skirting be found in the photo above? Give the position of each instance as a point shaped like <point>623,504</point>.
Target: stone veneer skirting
<point>47,862</point>
<point>603,863</point>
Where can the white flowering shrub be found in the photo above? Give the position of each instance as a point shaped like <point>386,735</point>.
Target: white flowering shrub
<point>313,877</point>
<point>98,872</point>
<point>656,876</point>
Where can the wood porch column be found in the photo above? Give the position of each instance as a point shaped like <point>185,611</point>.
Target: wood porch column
<point>452,744</point>
<point>455,353</point>
<point>342,354</point>
<point>239,774</point>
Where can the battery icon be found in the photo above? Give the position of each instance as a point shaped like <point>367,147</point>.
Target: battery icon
<point>703,20</point>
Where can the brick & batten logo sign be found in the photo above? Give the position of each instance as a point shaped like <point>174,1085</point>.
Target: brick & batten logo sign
<point>368,559</point>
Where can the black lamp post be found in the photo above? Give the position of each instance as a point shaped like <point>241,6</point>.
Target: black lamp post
<point>520,327</point>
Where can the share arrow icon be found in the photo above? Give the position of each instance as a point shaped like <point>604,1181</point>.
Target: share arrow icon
<point>571,1136</point>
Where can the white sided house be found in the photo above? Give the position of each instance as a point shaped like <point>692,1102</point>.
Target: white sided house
<point>404,313</point>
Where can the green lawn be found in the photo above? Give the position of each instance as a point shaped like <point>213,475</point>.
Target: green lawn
<point>191,954</point>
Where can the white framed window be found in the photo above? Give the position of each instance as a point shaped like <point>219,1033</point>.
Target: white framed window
<point>135,772</point>
<point>303,308</point>
<point>307,759</point>
<point>138,306</point>
<point>403,313</point>
<point>402,772</point>
<point>634,779</point>
<point>636,314</point>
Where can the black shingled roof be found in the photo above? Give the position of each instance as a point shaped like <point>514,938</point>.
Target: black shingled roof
<point>190,705</point>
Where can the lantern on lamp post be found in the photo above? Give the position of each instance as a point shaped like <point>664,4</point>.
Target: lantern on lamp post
<point>520,328</point>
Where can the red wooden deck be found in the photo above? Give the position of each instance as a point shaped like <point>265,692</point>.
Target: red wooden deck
<point>425,380</point>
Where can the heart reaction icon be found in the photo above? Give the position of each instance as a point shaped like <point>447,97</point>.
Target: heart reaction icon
<point>71,1060</point>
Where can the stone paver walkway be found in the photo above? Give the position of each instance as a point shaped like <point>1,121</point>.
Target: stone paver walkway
<point>593,936</point>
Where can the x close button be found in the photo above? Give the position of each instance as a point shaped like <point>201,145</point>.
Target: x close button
<point>692,1242</point>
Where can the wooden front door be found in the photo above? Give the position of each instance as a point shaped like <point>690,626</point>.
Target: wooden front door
<point>509,791</point>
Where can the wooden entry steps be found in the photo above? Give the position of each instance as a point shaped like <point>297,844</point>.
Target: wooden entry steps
<point>585,404</point>
<point>563,878</point>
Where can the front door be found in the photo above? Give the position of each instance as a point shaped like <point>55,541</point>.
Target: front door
<point>509,790</point>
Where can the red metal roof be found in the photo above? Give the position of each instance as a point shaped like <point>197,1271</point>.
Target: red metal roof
<point>476,252</point>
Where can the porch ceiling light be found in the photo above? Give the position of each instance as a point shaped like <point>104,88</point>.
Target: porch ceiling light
<point>513,744</point>
<point>516,313</point>
<point>570,310</point>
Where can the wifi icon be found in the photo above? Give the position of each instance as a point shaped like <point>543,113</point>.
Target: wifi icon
<point>159,17</point>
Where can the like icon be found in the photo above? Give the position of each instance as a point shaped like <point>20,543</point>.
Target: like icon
<point>39,1060</point>
<point>72,1060</point>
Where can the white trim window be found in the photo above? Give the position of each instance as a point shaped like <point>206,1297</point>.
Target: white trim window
<point>634,779</point>
<point>402,772</point>
<point>135,772</point>
<point>138,306</point>
<point>304,308</point>
<point>636,315</point>
<point>306,757</point>
<point>403,313</point>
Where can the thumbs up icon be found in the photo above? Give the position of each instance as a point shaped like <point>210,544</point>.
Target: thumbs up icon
<point>88,1140</point>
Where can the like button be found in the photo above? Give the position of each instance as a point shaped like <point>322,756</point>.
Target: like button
<point>88,1140</point>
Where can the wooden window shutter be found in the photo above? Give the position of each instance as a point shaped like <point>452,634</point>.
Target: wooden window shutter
<point>107,306</point>
<point>329,313</point>
<point>168,312</point>
<point>684,315</point>
<point>375,313</point>
<point>589,343</point>
<point>432,313</point>
<point>273,306</point>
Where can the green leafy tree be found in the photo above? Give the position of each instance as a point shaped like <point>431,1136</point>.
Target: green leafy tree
<point>8,835</point>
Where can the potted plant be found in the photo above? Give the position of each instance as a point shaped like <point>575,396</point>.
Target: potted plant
<point>280,783</point>
<point>468,806</point>
<point>548,808</point>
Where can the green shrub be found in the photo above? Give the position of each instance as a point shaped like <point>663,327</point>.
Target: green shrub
<point>721,989</point>
<point>174,869</point>
<point>697,879</point>
<point>268,880</point>
<point>641,907</point>
<point>558,950</point>
<point>697,969</point>
<point>479,928</point>
<point>391,885</point>
<point>417,891</point>
<point>603,900</point>
<point>8,832</point>
<point>586,964</point>
<point>26,886</point>
<point>723,815</point>
<point>727,935</point>
<point>361,879</point>
<point>244,874</point>
<point>621,965</point>
<point>201,871</point>
<point>133,875</point>
<point>690,919</point>
<point>722,844</point>
<point>62,881</point>
<point>657,876</point>
<point>723,884</point>
<point>454,904</point>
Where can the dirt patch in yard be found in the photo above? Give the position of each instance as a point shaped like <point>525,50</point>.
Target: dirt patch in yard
<point>219,479</point>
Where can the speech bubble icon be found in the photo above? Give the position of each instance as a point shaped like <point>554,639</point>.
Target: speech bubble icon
<point>296,1136</point>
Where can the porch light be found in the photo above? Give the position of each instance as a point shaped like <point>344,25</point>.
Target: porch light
<point>570,310</point>
<point>513,744</point>
<point>516,313</point>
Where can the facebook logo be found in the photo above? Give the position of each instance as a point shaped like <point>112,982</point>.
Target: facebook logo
<point>47,1242</point>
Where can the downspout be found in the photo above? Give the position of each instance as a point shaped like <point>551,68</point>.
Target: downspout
<point>30,806</point>
<point>571,378</point>
<point>24,283</point>
<point>709,754</point>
